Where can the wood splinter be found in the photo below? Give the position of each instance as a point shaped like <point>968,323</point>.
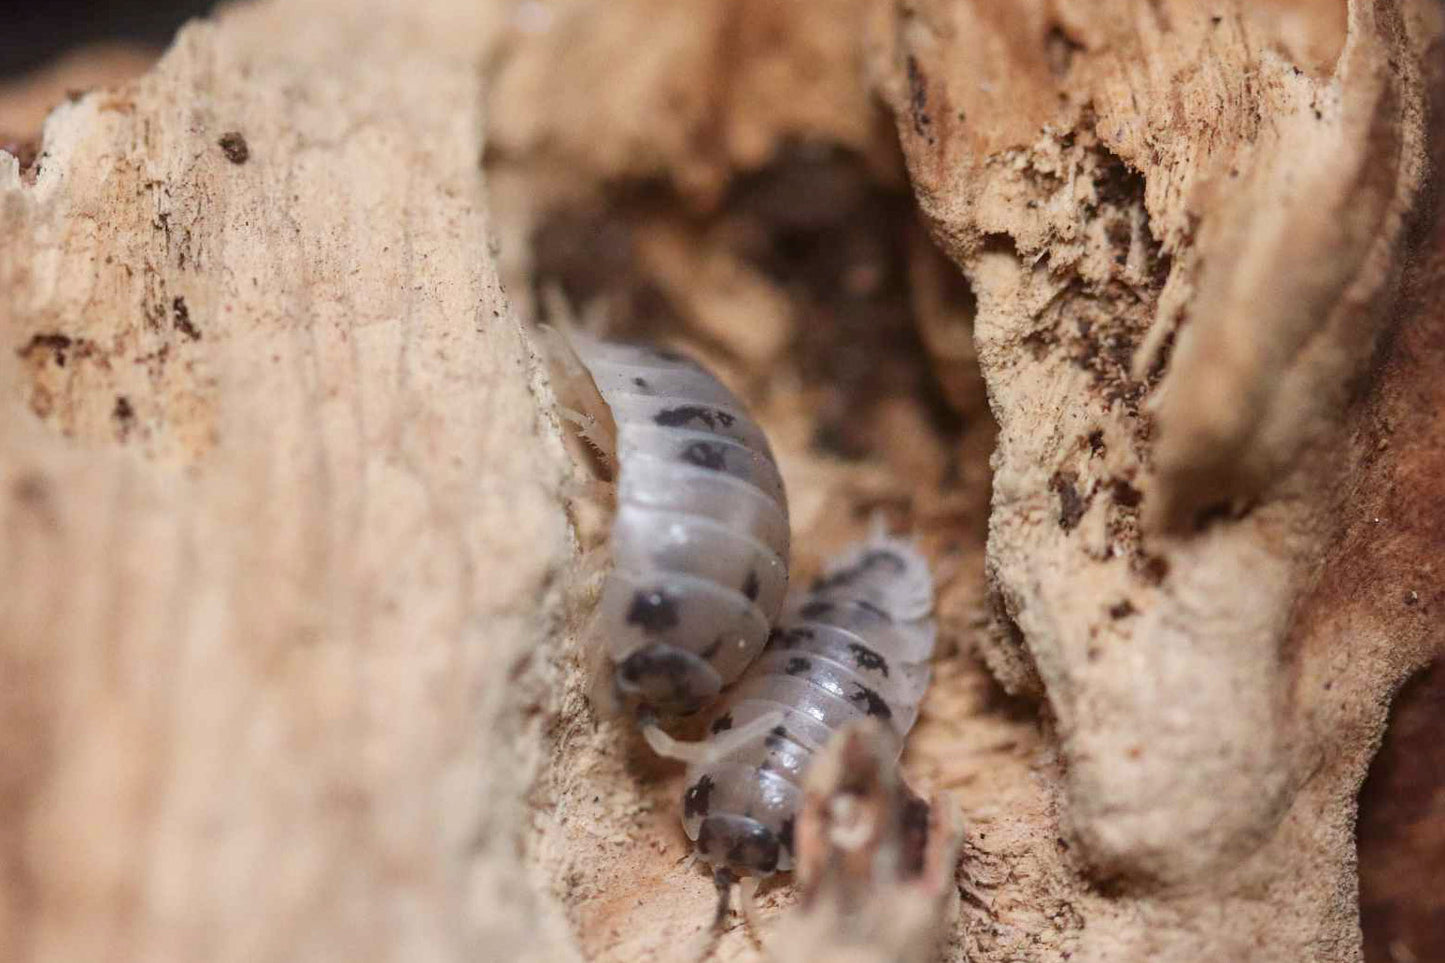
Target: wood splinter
<point>875,862</point>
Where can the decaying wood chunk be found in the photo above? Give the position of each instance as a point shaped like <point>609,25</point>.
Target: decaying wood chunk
<point>279,507</point>
<point>1186,227</point>
<point>875,862</point>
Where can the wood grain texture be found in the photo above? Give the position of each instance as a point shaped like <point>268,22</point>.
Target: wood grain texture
<point>279,508</point>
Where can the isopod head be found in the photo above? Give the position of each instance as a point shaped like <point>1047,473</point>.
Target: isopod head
<point>666,679</point>
<point>739,844</point>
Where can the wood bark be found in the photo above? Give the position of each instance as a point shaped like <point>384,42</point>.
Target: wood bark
<point>1128,309</point>
<point>280,514</point>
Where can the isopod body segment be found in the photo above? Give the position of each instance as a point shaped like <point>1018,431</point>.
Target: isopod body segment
<point>700,537</point>
<point>857,644</point>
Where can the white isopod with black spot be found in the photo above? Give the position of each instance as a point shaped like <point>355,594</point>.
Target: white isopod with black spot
<point>856,644</point>
<point>699,541</point>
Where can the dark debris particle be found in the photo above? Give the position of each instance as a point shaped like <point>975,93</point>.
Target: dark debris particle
<point>1155,569</point>
<point>122,412</point>
<point>54,342</point>
<point>918,101</point>
<point>233,143</point>
<point>655,611</point>
<point>698,798</point>
<point>1096,442</point>
<point>1125,494</point>
<point>722,723</point>
<point>1220,511</point>
<point>868,660</point>
<point>1072,505</point>
<point>1122,610</point>
<point>184,324</point>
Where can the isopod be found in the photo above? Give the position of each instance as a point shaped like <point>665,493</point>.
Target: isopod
<point>699,541</point>
<point>855,645</point>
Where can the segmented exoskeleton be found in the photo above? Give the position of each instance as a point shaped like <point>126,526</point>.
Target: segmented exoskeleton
<point>855,645</point>
<point>699,541</point>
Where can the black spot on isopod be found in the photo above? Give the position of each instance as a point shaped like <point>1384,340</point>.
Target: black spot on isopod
<point>724,419</point>
<point>877,558</point>
<point>722,723</point>
<point>791,637</point>
<point>882,558</point>
<point>705,454</point>
<point>712,649</point>
<point>666,354</point>
<point>775,737</point>
<point>683,414</point>
<point>797,666</point>
<point>866,658</point>
<point>659,660</point>
<point>751,586</point>
<point>872,609</point>
<point>698,798</point>
<point>640,382</point>
<point>785,834</point>
<point>871,702</point>
<point>815,610</point>
<point>654,610</point>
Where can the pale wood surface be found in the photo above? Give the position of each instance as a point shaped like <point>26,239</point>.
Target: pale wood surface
<point>281,532</point>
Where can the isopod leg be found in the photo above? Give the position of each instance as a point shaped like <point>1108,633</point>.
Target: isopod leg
<point>723,880</point>
<point>709,751</point>
<point>748,898</point>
